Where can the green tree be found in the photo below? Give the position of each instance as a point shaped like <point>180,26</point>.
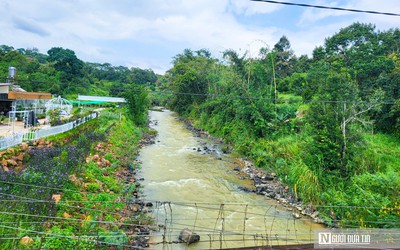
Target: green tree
<point>302,64</point>
<point>363,52</point>
<point>284,57</point>
<point>142,76</point>
<point>138,104</point>
<point>333,116</point>
<point>395,116</point>
<point>71,68</point>
<point>189,78</point>
<point>66,61</point>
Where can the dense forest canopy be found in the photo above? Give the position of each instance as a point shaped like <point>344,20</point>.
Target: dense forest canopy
<point>358,59</point>
<point>328,124</point>
<point>61,72</point>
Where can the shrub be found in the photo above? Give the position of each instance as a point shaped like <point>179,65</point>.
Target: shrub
<point>93,187</point>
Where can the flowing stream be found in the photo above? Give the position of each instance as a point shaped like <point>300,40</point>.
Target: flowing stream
<point>190,189</point>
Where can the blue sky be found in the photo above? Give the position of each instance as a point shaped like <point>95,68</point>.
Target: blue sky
<point>149,33</point>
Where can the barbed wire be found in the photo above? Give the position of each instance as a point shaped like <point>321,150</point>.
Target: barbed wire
<point>205,205</point>
<point>91,238</point>
<point>221,233</point>
<point>72,219</point>
<point>194,204</point>
<point>73,237</point>
<point>178,203</point>
<point>191,205</point>
<point>272,218</point>
<point>45,187</point>
<point>286,233</point>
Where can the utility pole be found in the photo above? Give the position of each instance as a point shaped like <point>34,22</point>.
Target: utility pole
<point>274,79</point>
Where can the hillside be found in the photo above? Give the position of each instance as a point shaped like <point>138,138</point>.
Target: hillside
<point>62,73</point>
<point>327,124</point>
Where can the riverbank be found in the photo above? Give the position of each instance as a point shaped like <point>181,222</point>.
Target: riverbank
<point>79,189</point>
<point>193,184</point>
<point>264,183</point>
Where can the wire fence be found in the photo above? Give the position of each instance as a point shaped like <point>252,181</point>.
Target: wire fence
<point>219,225</point>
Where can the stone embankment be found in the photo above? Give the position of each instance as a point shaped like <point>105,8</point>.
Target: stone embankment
<point>13,159</point>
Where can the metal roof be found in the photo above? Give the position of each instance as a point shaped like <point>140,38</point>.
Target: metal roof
<point>100,98</point>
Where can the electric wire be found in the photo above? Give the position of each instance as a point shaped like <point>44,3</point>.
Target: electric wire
<point>269,99</point>
<point>279,100</point>
<point>329,7</point>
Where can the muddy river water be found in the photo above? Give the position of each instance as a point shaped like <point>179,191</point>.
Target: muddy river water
<point>190,189</point>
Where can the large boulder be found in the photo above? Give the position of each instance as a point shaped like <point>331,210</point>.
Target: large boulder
<point>188,236</point>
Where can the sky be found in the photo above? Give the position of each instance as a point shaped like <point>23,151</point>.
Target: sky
<point>148,33</point>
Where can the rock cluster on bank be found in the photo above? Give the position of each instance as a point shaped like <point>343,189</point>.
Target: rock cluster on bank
<point>269,185</point>
<point>12,161</point>
<point>266,184</point>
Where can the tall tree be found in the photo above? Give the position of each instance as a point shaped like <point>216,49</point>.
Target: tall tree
<point>66,61</point>
<point>189,78</point>
<point>284,57</point>
<point>138,104</point>
<point>332,116</point>
<point>142,76</point>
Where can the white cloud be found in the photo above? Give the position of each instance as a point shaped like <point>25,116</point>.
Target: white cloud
<point>148,33</point>
<point>305,41</point>
<point>248,8</point>
<point>313,16</point>
<point>315,25</point>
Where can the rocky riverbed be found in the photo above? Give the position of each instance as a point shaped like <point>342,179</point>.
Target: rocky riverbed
<point>265,183</point>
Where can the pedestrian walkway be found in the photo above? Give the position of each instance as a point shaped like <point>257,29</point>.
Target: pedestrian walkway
<point>9,129</point>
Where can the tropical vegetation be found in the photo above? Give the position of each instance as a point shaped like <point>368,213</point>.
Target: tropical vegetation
<point>76,190</point>
<point>328,124</point>
<point>62,73</point>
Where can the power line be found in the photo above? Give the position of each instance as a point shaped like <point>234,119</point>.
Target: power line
<point>270,99</point>
<point>329,8</point>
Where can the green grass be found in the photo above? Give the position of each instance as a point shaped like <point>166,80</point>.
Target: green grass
<point>381,152</point>
<point>374,187</point>
<point>290,98</point>
<point>94,194</point>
